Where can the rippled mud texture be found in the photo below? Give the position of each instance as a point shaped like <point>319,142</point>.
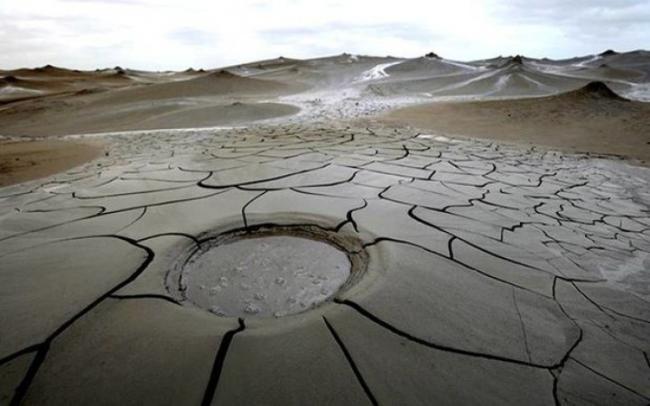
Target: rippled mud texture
<point>495,274</point>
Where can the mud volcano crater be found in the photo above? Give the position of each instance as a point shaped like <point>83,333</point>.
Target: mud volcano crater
<point>268,272</point>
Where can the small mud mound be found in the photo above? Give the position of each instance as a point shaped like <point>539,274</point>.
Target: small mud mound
<point>598,90</point>
<point>9,80</point>
<point>46,68</point>
<point>87,91</point>
<point>55,71</point>
<point>511,62</point>
<point>223,74</point>
<point>609,52</point>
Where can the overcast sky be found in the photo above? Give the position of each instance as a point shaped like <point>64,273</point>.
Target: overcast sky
<point>176,34</point>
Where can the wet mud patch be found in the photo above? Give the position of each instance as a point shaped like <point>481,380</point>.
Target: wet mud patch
<point>271,271</point>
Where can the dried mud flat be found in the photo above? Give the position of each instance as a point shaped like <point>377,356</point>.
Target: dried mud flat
<point>495,274</point>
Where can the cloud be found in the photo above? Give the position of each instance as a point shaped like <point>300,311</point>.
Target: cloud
<point>174,34</point>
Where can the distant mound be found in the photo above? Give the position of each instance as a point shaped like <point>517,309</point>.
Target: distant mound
<point>432,55</point>
<point>25,85</point>
<point>223,73</point>
<point>593,90</point>
<point>50,70</point>
<point>216,83</point>
<point>85,91</point>
<point>510,62</point>
<point>9,80</point>
<point>271,63</point>
<point>426,67</point>
<point>609,52</point>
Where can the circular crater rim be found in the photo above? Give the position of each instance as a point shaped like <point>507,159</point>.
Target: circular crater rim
<point>179,283</point>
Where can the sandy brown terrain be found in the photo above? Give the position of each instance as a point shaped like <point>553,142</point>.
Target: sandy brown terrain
<point>591,119</point>
<point>21,161</point>
<point>207,99</point>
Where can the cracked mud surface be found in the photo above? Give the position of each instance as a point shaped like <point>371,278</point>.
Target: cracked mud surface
<point>496,274</point>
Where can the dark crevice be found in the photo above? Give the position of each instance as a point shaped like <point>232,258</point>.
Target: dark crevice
<point>440,347</point>
<point>145,296</point>
<point>145,179</point>
<point>243,209</point>
<point>151,237</point>
<point>349,217</point>
<point>74,194</point>
<point>578,339</point>
<point>100,208</point>
<point>310,193</point>
<point>135,220</point>
<point>22,388</point>
<point>354,367</point>
<point>252,182</point>
<point>592,301</point>
<point>556,379</point>
<point>450,248</point>
<point>627,388</point>
<point>219,361</point>
<point>627,316</point>
<point>27,350</point>
<point>522,324</point>
<point>397,175</point>
<point>316,185</point>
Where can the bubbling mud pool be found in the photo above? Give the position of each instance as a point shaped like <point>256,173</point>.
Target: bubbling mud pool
<point>264,276</point>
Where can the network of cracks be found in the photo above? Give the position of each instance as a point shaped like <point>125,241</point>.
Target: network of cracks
<point>495,274</point>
